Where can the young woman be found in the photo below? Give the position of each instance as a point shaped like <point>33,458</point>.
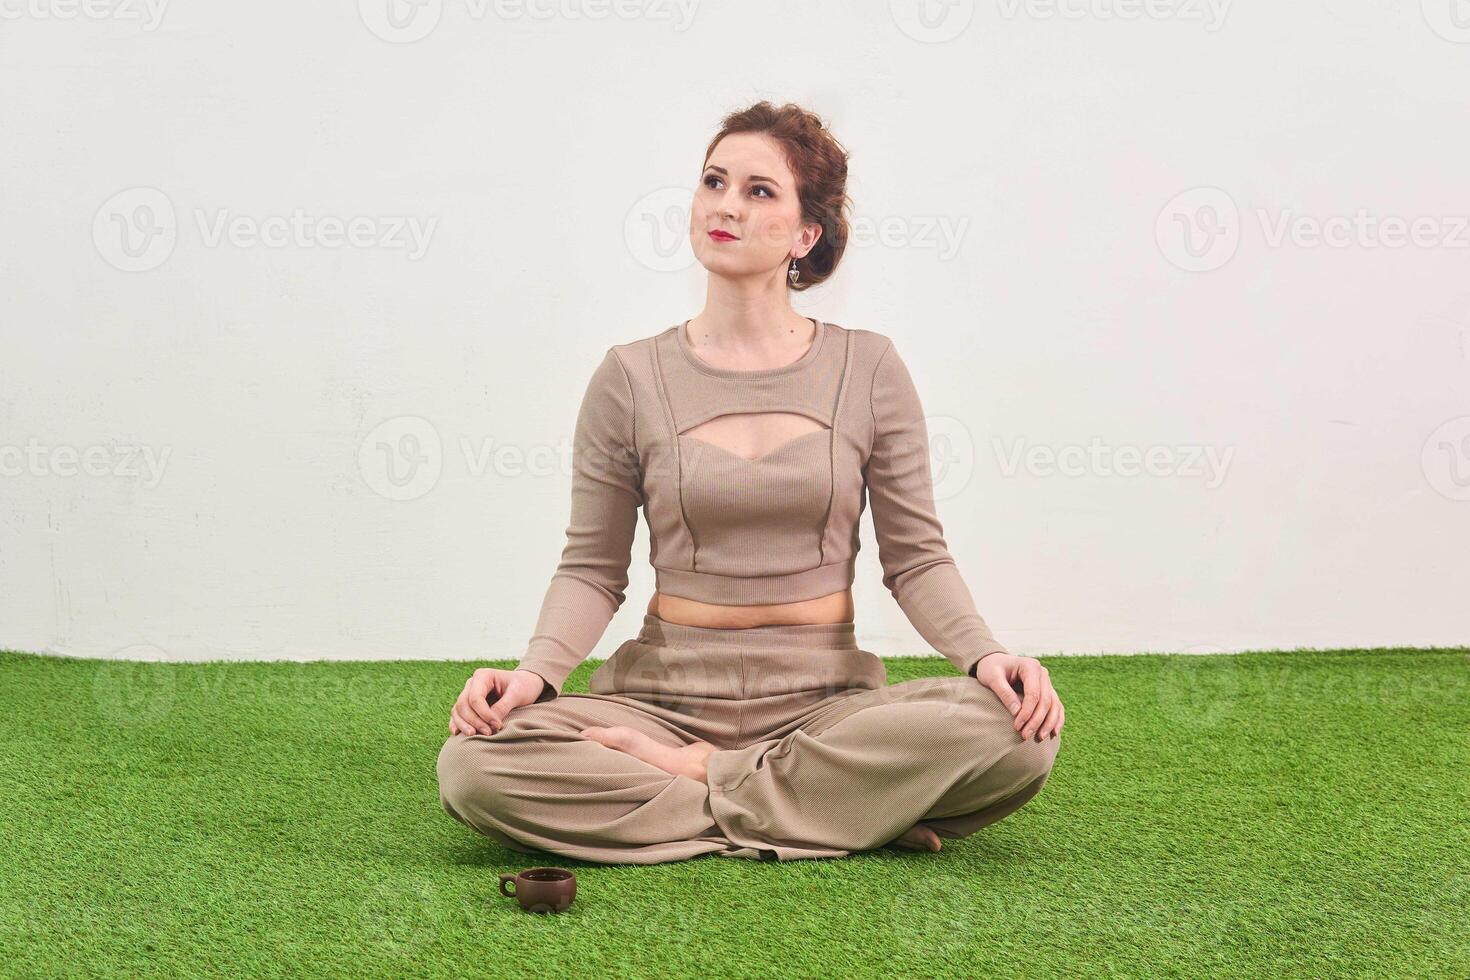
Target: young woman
<point>743,720</point>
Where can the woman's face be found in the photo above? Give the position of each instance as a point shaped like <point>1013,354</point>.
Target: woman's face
<point>747,191</point>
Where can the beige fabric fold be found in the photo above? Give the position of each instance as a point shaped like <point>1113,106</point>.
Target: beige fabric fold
<point>817,755</point>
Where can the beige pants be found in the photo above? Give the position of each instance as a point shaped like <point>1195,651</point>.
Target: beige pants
<point>818,756</point>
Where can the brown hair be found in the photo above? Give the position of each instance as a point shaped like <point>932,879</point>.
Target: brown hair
<point>820,165</point>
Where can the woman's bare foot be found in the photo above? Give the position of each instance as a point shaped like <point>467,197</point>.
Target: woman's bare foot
<point>688,760</point>
<point>918,838</point>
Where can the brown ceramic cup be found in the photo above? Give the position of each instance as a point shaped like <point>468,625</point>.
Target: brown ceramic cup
<point>541,889</point>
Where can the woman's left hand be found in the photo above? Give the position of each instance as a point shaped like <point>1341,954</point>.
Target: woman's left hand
<point>1036,715</point>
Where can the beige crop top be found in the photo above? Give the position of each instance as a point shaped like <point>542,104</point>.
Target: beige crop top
<point>728,529</point>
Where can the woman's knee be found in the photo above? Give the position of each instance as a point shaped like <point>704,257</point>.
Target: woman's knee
<point>468,783</point>
<point>1005,774</point>
<point>975,711</point>
<point>1037,758</point>
<point>1027,754</point>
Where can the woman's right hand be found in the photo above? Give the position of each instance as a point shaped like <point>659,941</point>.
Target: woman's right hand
<point>474,713</point>
<point>1040,714</point>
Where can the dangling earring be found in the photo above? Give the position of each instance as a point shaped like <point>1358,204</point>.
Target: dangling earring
<point>793,272</point>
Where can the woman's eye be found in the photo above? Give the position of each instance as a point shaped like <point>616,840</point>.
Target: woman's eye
<point>712,182</point>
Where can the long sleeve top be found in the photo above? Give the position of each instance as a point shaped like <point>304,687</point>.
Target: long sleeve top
<point>723,528</point>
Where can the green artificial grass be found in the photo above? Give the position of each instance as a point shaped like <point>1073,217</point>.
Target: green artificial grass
<point>1264,814</point>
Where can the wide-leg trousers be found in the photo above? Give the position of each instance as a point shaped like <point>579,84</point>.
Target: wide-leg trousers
<point>817,755</point>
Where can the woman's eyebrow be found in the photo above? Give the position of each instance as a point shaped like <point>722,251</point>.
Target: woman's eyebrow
<point>722,170</point>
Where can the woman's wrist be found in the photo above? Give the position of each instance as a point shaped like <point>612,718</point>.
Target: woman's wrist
<point>976,665</point>
<point>546,685</point>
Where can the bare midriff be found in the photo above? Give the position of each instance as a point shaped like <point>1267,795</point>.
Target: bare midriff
<point>750,435</point>
<point>835,607</point>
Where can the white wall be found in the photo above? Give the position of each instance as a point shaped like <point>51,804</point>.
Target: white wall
<point>1031,169</point>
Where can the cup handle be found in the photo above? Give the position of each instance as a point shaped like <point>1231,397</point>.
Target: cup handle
<point>504,881</point>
